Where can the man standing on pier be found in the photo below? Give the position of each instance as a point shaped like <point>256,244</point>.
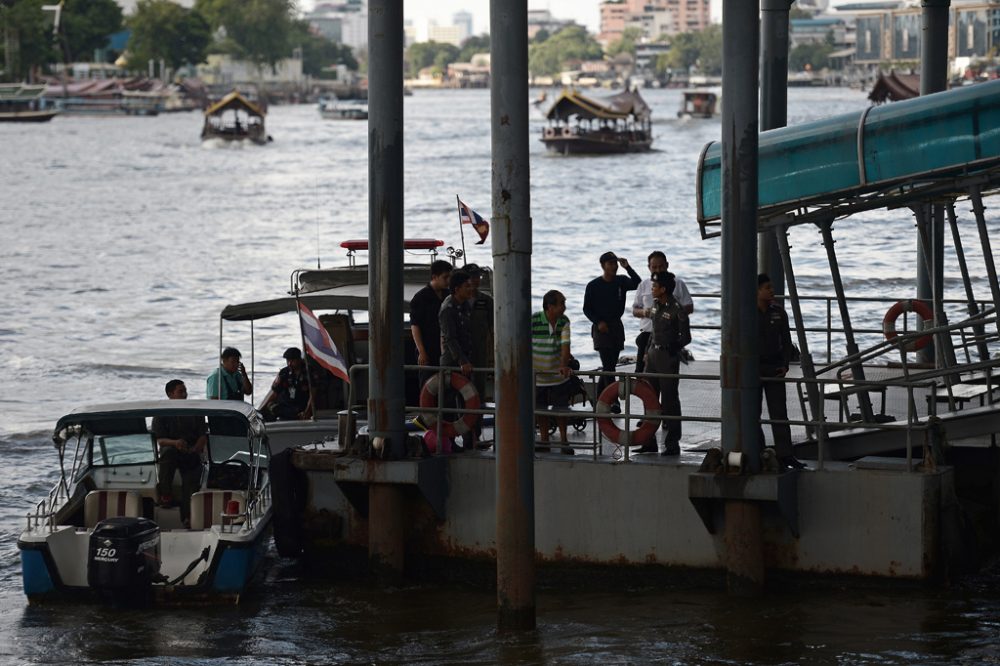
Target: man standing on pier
<point>550,354</point>
<point>657,263</point>
<point>455,320</point>
<point>775,349</point>
<point>670,333</point>
<point>424,308</point>
<point>604,304</point>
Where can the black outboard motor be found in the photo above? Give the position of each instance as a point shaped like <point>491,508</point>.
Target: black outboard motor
<point>124,559</point>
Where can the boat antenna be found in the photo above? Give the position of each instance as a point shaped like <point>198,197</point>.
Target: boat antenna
<point>318,267</point>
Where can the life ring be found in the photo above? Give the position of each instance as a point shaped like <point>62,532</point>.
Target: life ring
<point>464,386</point>
<point>910,305</point>
<point>646,430</point>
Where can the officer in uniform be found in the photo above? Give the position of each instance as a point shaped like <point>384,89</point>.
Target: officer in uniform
<point>775,349</point>
<point>671,333</point>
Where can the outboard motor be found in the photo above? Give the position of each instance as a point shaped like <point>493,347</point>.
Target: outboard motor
<point>124,559</point>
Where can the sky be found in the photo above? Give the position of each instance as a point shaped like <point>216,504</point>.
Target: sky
<point>585,12</point>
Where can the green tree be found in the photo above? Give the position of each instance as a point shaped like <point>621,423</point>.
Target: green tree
<point>710,42</point>
<point>319,53</point>
<point>29,32</point>
<point>541,36</point>
<point>472,46</point>
<point>86,26</point>
<point>427,54</point>
<point>626,43</point>
<point>684,51</point>
<point>570,43</point>
<point>699,49</point>
<point>162,29</point>
<point>814,54</point>
<point>256,30</point>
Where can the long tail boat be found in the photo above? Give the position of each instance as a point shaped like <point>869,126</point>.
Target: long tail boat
<point>580,125</point>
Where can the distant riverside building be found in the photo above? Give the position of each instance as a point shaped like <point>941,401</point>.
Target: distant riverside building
<point>464,22</point>
<point>445,34</point>
<point>342,22</point>
<point>893,35</point>
<point>542,19</point>
<point>670,16</point>
<point>222,70</point>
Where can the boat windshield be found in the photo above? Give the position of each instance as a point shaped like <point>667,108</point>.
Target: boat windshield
<point>132,449</point>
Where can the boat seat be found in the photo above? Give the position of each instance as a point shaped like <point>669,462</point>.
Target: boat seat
<point>101,504</point>
<point>207,506</point>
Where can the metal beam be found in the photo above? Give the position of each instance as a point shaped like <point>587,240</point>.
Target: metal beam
<point>515,428</point>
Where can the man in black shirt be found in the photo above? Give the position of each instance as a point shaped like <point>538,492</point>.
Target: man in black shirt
<point>424,309</point>
<point>181,441</point>
<point>603,304</point>
<point>290,397</point>
<point>775,350</point>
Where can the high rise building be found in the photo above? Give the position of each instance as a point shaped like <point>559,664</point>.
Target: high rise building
<point>345,22</point>
<point>463,21</point>
<point>670,16</point>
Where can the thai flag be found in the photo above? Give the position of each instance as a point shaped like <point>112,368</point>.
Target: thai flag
<point>320,346</point>
<point>468,216</point>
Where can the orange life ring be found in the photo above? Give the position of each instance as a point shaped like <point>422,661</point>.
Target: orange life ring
<point>646,430</point>
<point>465,388</point>
<point>910,305</point>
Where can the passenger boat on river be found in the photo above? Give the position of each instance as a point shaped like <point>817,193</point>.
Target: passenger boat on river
<point>579,125</point>
<point>235,118</point>
<point>346,109</point>
<point>24,103</point>
<point>699,104</point>
<point>101,530</point>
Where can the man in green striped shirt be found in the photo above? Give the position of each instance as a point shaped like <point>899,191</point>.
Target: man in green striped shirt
<point>550,358</point>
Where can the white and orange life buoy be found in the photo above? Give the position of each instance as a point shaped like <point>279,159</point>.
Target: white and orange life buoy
<point>470,397</point>
<point>650,404</point>
<point>910,305</point>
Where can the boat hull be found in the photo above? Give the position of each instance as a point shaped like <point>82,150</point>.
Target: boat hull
<point>27,116</point>
<point>584,145</point>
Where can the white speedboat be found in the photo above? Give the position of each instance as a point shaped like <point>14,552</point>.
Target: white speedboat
<point>101,532</point>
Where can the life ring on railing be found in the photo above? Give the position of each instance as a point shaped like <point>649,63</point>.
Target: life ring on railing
<point>910,305</point>
<point>566,131</point>
<point>464,386</point>
<point>646,430</point>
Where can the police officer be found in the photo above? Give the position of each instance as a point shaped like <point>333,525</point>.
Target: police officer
<point>671,333</point>
<point>775,349</point>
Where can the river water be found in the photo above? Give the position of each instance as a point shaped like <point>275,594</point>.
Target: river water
<point>124,238</point>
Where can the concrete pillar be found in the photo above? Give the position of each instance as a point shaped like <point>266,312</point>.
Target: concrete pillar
<point>386,397</point>
<point>738,365</point>
<point>511,234</point>
<point>385,531</point>
<point>773,112</point>
<point>933,78</point>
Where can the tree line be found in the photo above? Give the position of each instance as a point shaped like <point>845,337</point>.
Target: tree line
<point>260,31</point>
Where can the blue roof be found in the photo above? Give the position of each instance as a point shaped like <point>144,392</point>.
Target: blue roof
<point>815,22</point>
<point>118,40</point>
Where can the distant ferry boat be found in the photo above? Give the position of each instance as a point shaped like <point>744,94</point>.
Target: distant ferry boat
<point>580,125</point>
<point>235,118</point>
<point>24,103</point>
<point>348,109</point>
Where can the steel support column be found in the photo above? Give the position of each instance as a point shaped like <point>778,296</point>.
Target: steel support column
<point>933,78</point>
<point>984,237</point>
<point>773,113</point>
<point>740,378</point>
<point>515,429</point>
<point>857,370</point>
<point>970,295</point>
<point>385,279</point>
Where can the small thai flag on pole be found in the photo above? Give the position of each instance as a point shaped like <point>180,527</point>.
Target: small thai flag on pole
<point>468,216</point>
<point>319,345</point>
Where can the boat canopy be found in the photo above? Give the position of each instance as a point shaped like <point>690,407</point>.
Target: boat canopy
<point>893,87</point>
<point>881,155</point>
<point>20,92</point>
<point>617,107</point>
<point>234,101</point>
<point>124,418</point>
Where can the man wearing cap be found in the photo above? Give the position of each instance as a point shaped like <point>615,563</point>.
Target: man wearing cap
<point>481,322</point>
<point>657,262</point>
<point>456,339</point>
<point>670,333</point>
<point>289,398</point>
<point>603,304</point>
<point>775,350</point>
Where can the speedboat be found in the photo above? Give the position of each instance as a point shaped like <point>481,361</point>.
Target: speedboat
<point>101,531</point>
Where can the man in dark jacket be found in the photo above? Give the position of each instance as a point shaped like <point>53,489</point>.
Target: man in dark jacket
<point>456,338</point>
<point>775,350</point>
<point>603,304</point>
<point>424,309</point>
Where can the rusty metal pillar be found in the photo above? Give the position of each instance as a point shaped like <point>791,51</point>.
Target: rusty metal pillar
<point>933,78</point>
<point>739,361</point>
<point>386,397</point>
<point>515,431</point>
<point>773,113</point>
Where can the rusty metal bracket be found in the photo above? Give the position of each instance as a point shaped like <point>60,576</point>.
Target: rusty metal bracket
<point>707,493</point>
<point>428,475</point>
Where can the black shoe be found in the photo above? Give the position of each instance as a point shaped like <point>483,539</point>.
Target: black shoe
<point>646,448</point>
<point>568,450</point>
<point>671,449</point>
<point>615,408</point>
<point>791,462</point>
<point>542,449</point>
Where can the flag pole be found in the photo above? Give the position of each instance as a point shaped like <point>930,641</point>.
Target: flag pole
<point>461,228</point>
<point>305,356</point>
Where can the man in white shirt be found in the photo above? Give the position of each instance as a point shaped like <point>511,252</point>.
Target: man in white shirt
<point>657,262</point>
